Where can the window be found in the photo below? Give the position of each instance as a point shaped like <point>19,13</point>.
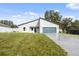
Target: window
<point>31,28</point>
<point>24,28</point>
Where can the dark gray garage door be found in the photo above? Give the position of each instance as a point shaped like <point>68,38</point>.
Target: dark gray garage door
<point>49,29</point>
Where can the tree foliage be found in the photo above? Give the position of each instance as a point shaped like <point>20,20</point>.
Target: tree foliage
<point>9,23</point>
<point>64,23</point>
<point>53,16</point>
<point>75,24</point>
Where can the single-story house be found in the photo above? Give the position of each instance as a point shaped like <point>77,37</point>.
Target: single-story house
<point>38,26</point>
<point>5,28</point>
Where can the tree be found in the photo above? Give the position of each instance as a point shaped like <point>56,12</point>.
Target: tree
<point>53,16</point>
<point>14,26</point>
<point>75,24</point>
<point>47,15</point>
<point>8,22</point>
<point>66,24</point>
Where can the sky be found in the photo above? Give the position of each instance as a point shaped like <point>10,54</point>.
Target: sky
<point>23,12</point>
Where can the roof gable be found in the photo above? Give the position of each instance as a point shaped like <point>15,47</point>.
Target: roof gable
<point>35,20</point>
<point>48,21</point>
<point>27,22</point>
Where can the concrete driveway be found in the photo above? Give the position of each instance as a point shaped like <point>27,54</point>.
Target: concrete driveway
<point>71,45</point>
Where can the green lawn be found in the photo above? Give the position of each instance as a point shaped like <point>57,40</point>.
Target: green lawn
<point>28,44</point>
<point>70,35</point>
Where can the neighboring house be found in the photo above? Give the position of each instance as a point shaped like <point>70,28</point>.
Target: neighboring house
<point>5,28</point>
<point>39,26</point>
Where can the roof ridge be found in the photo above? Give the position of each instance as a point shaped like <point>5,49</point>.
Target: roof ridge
<point>28,22</point>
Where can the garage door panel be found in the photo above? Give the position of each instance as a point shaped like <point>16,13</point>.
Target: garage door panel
<point>49,29</point>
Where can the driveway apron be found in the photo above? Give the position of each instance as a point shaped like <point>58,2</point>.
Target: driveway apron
<point>71,45</point>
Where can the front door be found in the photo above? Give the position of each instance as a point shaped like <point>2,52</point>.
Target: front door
<point>35,30</point>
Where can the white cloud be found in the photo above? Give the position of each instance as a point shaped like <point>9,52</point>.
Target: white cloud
<point>16,16</point>
<point>73,17</point>
<point>56,10</point>
<point>24,17</point>
<point>31,13</point>
<point>73,6</point>
<point>68,17</point>
<point>25,12</point>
